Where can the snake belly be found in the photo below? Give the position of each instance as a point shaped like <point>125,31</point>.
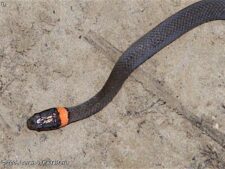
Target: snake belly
<point>140,51</point>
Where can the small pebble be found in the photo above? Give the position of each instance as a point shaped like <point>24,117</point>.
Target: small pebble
<point>216,126</point>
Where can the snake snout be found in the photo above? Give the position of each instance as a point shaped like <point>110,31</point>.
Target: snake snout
<point>32,122</point>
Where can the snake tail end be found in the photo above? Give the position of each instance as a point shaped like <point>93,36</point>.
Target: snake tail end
<point>50,119</point>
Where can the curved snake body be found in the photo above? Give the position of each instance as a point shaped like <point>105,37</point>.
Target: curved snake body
<point>140,51</point>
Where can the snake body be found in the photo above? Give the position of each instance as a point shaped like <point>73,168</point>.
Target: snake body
<point>140,51</point>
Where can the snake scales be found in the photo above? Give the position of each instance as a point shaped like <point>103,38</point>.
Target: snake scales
<point>140,51</point>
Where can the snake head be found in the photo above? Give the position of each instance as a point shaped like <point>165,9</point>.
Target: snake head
<point>50,119</point>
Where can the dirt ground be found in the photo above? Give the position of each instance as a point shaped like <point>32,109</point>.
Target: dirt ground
<point>170,114</point>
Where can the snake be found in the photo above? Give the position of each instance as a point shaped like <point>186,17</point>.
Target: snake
<point>140,51</point>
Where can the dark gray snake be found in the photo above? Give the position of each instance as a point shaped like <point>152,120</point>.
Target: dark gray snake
<point>140,51</point>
